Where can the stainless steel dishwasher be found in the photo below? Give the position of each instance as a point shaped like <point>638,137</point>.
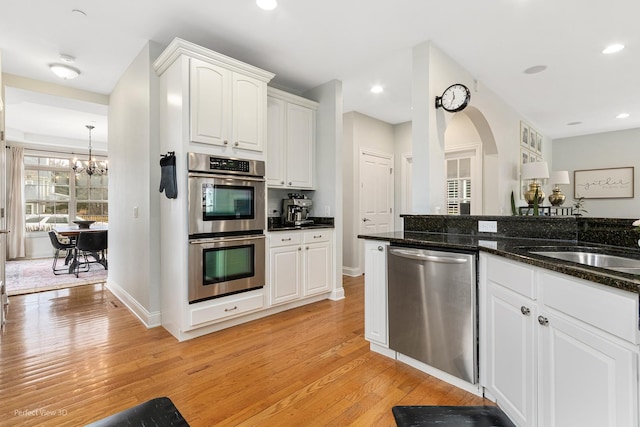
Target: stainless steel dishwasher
<point>432,308</point>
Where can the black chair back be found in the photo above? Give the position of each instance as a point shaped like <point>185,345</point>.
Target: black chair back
<point>56,243</point>
<point>92,241</point>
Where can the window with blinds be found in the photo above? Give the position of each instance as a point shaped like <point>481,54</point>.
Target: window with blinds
<point>458,184</point>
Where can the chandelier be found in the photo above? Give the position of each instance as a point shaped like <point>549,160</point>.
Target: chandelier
<point>92,167</point>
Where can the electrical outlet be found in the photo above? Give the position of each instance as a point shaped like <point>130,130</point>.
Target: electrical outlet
<point>488,226</point>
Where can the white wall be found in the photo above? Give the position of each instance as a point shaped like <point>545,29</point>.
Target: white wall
<point>360,133</point>
<point>402,148</point>
<point>501,161</point>
<point>600,151</point>
<point>328,195</point>
<point>134,173</point>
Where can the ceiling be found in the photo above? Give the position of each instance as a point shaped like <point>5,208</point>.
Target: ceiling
<point>360,42</point>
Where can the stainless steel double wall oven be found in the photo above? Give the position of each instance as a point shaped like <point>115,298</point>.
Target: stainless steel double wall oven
<point>226,226</point>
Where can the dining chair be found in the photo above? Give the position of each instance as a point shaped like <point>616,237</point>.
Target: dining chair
<point>91,244</point>
<point>59,246</point>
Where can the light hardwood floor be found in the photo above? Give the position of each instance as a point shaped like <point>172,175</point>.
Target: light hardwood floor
<point>74,356</point>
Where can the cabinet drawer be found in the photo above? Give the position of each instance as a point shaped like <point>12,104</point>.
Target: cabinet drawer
<point>227,308</point>
<point>284,239</point>
<point>512,275</point>
<point>318,235</point>
<point>611,310</point>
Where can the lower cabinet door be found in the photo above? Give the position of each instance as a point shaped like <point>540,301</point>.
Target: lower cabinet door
<point>317,269</point>
<point>586,378</point>
<point>511,353</point>
<point>286,274</point>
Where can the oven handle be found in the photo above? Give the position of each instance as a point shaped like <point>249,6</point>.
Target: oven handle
<point>235,177</point>
<point>225,239</point>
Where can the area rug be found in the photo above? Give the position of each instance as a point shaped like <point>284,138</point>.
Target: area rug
<point>450,416</point>
<point>35,275</point>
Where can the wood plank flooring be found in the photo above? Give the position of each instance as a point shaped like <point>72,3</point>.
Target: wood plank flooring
<point>74,356</point>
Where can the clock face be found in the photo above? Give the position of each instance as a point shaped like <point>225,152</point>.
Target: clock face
<point>456,97</point>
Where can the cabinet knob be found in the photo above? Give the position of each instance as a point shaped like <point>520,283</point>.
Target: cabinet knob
<point>282,182</point>
<point>226,142</point>
<point>380,248</point>
<point>307,248</point>
<point>290,183</point>
<point>299,249</point>
<point>236,143</point>
<point>543,320</point>
<point>525,310</point>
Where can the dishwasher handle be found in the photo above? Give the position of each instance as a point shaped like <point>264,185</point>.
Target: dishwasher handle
<point>419,255</point>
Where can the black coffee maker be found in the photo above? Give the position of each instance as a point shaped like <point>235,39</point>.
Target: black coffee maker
<point>296,210</point>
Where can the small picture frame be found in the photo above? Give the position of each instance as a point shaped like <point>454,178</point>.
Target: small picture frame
<point>539,143</point>
<point>533,139</point>
<point>524,134</point>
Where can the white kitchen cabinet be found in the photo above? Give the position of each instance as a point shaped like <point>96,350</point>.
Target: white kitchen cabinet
<point>291,128</point>
<point>508,337</point>
<point>227,108</point>
<point>376,326</point>
<point>300,264</point>
<point>557,350</point>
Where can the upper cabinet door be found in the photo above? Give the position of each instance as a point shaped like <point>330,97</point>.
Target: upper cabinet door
<point>249,122</point>
<point>210,113</point>
<point>276,143</point>
<point>300,146</point>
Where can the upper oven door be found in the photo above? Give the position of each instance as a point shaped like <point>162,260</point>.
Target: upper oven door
<point>221,203</point>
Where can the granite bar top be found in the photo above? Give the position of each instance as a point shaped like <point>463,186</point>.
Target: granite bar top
<point>519,249</point>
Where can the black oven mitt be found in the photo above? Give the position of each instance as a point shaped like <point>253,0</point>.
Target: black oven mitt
<point>168,176</point>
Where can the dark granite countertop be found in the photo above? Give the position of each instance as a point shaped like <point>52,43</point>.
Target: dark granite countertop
<point>518,249</point>
<point>299,227</point>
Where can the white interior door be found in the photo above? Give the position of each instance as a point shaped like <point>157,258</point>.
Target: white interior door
<point>3,205</point>
<point>376,195</point>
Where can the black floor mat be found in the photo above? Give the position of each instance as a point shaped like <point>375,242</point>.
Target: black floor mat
<point>450,416</point>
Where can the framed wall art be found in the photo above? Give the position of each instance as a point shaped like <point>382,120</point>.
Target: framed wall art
<point>524,134</point>
<point>614,183</point>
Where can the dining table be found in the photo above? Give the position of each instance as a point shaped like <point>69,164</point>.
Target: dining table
<point>72,232</point>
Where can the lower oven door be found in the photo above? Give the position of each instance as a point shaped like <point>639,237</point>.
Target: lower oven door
<point>224,266</point>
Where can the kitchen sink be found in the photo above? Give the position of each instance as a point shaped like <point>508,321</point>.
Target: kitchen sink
<point>611,262</point>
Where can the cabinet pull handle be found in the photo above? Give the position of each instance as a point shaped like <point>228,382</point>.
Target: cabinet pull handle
<point>235,307</point>
<point>226,142</point>
<point>286,240</point>
<point>380,248</point>
<point>525,310</point>
<point>543,320</point>
<point>318,237</point>
<point>236,143</point>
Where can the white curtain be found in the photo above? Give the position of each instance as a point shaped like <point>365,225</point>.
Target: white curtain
<point>16,239</point>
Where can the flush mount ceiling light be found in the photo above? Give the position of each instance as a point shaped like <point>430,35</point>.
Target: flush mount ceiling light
<point>535,69</point>
<point>267,4</point>
<point>64,71</point>
<point>613,49</point>
<point>622,116</point>
<point>377,89</point>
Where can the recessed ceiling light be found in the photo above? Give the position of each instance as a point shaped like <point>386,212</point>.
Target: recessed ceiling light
<point>64,71</point>
<point>267,4</point>
<point>574,123</point>
<point>535,69</point>
<point>613,48</point>
<point>377,89</point>
<point>622,116</point>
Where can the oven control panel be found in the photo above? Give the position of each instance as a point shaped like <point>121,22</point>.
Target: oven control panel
<point>235,165</point>
<point>200,162</point>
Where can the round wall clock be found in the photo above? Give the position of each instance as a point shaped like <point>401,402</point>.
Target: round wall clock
<point>455,98</point>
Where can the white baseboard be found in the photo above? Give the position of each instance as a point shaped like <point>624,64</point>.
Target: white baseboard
<point>337,294</point>
<point>351,271</point>
<point>149,319</point>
